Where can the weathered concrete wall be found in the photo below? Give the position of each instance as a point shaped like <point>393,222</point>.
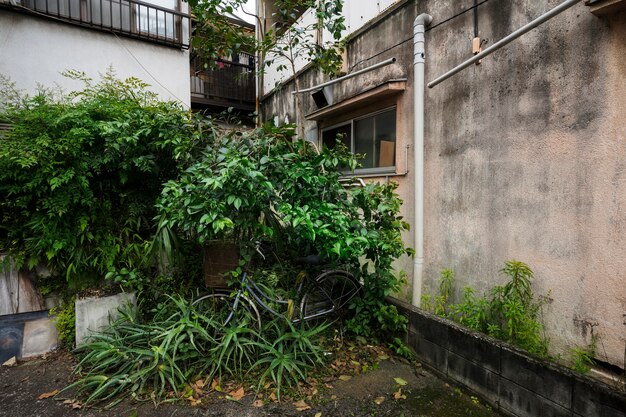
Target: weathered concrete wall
<point>35,51</point>
<point>525,160</point>
<point>524,153</point>
<point>18,293</point>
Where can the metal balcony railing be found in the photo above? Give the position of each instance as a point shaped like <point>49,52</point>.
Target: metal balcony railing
<point>226,82</point>
<point>132,18</point>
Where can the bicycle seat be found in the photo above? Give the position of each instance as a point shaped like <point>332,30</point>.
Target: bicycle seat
<point>310,260</point>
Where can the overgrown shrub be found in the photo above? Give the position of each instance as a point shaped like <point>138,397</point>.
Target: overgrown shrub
<point>80,174</point>
<point>263,184</point>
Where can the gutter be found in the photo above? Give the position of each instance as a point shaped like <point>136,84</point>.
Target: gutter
<point>419,60</point>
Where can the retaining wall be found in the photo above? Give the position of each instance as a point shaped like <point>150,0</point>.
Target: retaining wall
<point>511,380</point>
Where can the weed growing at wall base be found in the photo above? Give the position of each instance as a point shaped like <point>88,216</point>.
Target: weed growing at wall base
<point>509,313</point>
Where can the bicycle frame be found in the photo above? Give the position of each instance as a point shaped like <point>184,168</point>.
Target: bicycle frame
<point>259,295</point>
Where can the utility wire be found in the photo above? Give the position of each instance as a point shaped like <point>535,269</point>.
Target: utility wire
<point>428,29</point>
<point>148,72</point>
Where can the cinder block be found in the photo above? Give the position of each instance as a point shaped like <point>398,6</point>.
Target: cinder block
<point>40,336</point>
<point>431,353</point>
<point>474,347</point>
<point>430,328</point>
<point>95,313</point>
<point>593,398</point>
<point>521,402</point>
<point>538,376</point>
<point>477,378</point>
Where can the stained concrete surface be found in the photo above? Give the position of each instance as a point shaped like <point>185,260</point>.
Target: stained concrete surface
<point>368,394</point>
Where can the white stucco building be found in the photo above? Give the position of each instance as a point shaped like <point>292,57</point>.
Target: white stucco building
<point>39,39</point>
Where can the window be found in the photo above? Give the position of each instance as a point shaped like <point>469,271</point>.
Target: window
<point>373,136</point>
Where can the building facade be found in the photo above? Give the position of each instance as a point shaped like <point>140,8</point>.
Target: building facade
<point>523,153</point>
<point>40,39</point>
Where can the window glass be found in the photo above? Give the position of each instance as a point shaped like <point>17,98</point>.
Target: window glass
<point>364,141</point>
<point>329,136</point>
<point>385,146</point>
<point>374,138</point>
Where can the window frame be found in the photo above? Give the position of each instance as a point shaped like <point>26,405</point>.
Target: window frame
<point>365,171</point>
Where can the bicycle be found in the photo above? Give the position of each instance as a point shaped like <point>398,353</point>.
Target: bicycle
<point>328,294</point>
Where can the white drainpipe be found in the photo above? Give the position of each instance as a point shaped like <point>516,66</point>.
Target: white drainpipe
<point>419,52</point>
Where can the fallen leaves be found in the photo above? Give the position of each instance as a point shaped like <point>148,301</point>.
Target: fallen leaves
<point>194,402</point>
<point>236,395</point>
<point>48,394</point>
<point>379,400</point>
<point>345,377</point>
<point>75,404</point>
<point>400,381</point>
<point>215,385</point>
<point>258,403</point>
<point>301,405</point>
<point>398,395</point>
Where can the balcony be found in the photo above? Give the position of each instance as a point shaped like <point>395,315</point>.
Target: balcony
<point>130,18</point>
<point>227,83</point>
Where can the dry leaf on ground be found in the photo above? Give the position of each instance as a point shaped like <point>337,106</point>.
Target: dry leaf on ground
<point>399,395</point>
<point>258,404</point>
<point>194,401</point>
<point>345,377</point>
<point>48,394</point>
<point>75,404</point>
<point>400,381</point>
<point>215,384</point>
<point>379,400</point>
<point>236,395</point>
<point>301,405</point>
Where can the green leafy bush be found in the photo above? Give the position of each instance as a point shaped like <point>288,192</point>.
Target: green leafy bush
<point>261,183</point>
<point>80,174</point>
<point>510,314</point>
<point>64,318</point>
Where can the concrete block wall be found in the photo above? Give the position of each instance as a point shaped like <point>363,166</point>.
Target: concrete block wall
<point>511,380</point>
<point>95,313</point>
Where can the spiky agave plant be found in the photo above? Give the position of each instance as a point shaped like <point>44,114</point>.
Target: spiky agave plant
<point>290,353</point>
<point>136,359</point>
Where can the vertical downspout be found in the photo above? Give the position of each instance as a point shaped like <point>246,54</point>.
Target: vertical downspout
<point>419,52</point>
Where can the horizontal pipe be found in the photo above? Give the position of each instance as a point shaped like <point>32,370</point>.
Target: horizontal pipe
<point>519,32</point>
<point>345,77</point>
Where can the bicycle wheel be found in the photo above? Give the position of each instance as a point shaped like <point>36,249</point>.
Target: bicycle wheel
<point>329,295</point>
<point>220,306</point>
